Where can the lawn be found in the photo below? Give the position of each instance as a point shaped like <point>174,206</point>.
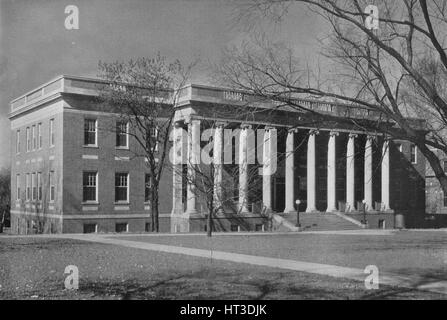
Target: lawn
<point>33,268</point>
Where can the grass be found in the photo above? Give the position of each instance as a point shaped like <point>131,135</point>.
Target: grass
<point>33,268</point>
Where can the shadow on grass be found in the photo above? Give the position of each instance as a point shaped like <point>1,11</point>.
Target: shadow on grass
<point>422,279</point>
<point>207,284</point>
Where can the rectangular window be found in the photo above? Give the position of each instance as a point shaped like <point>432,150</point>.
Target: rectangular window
<point>34,186</point>
<point>152,136</point>
<point>33,132</point>
<point>234,227</point>
<point>28,189</point>
<point>39,186</point>
<point>52,186</point>
<point>90,129</point>
<point>28,140</point>
<point>51,132</point>
<point>147,187</point>
<point>445,200</point>
<point>18,141</point>
<point>121,187</point>
<point>89,186</point>
<point>18,186</point>
<point>90,228</point>
<point>413,154</point>
<point>122,140</point>
<point>445,166</point>
<point>39,135</point>
<point>121,227</point>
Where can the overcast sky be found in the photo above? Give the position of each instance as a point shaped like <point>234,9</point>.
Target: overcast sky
<point>35,46</point>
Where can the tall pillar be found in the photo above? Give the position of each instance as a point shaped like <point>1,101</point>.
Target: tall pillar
<point>311,183</point>
<point>331,173</point>
<point>385,176</point>
<point>350,173</point>
<point>290,172</point>
<point>218,163</point>
<point>368,174</point>
<point>267,168</point>
<point>193,161</point>
<point>243,170</point>
<point>177,162</point>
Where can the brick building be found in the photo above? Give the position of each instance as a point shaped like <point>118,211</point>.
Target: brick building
<point>71,175</point>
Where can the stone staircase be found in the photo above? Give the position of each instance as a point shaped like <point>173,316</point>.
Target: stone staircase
<point>315,221</point>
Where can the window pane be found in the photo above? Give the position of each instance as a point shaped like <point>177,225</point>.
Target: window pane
<point>121,134</point>
<point>90,132</point>
<point>18,141</point>
<point>121,185</point>
<point>89,186</point>
<point>51,132</point>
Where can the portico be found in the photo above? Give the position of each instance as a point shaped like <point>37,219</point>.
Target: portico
<point>355,146</point>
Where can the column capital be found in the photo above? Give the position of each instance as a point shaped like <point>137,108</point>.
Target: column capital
<point>220,124</point>
<point>352,135</point>
<point>314,131</point>
<point>268,128</point>
<point>292,130</point>
<point>371,137</point>
<point>245,126</point>
<point>190,120</point>
<point>334,133</point>
<point>179,123</point>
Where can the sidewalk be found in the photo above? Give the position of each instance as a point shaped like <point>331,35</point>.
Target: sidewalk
<point>357,274</point>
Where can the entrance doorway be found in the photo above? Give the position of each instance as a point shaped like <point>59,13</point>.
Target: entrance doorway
<point>279,194</point>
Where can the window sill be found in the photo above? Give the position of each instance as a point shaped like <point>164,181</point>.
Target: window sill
<point>121,148</point>
<point>92,203</point>
<point>94,146</point>
<point>121,203</point>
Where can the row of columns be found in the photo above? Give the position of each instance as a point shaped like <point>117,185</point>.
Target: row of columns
<point>350,174</point>
<point>269,150</point>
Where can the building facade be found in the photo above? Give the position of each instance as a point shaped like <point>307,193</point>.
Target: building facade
<point>71,173</point>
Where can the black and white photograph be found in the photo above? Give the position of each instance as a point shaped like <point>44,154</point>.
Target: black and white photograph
<point>240,152</point>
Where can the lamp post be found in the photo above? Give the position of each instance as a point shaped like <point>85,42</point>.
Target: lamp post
<point>297,202</point>
<point>364,211</point>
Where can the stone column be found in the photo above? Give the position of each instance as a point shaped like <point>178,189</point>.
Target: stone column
<point>350,173</point>
<point>385,176</point>
<point>243,170</point>
<point>331,173</point>
<point>218,163</point>
<point>311,184</point>
<point>290,172</point>
<point>368,173</point>
<point>177,162</point>
<point>267,169</point>
<point>193,161</point>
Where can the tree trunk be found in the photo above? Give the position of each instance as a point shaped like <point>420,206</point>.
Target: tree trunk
<point>154,208</point>
<point>209,223</point>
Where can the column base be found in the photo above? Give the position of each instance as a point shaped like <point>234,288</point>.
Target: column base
<point>243,210</point>
<point>190,212</point>
<point>350,207</point>
<point>289,210</point>
<point>312,210</point>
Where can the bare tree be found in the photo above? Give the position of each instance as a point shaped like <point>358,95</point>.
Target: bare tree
<point>143,94</point>
<point>214,180</point>
<point>391,74</point>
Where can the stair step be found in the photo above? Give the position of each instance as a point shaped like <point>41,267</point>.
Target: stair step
<point>322,222</point>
